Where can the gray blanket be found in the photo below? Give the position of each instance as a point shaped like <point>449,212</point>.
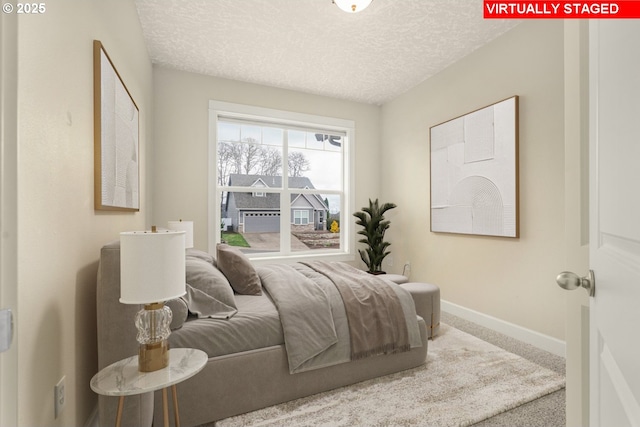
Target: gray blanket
<point>314,319</point>
<point>204,305</point>
<point>375,315</point>
<point>305,313</point>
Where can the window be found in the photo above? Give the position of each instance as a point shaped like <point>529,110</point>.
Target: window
<point>277,180</point>
<point>300,217</point>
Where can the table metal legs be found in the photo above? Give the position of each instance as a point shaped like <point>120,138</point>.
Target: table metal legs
<point>175,405</point>
<point>119,413</point>
<point>165,407</point>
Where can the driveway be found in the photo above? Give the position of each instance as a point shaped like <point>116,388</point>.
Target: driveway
<point>270,242</point>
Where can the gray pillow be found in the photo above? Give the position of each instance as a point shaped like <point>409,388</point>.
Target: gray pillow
<point>197,253</point>
<point>238,269</point>
<point>179,312</point>
<point>208,279</point>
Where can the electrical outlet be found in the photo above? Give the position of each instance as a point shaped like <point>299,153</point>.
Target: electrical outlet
<point>406,270</point>
<point>59,397</point>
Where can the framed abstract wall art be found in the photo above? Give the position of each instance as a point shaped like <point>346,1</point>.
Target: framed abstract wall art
<point>474,172</point>
<point>116,138</point>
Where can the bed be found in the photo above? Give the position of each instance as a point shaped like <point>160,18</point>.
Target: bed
<point>267,335</point>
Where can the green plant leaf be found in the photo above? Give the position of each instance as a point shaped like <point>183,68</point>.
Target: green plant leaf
<point>374,225</point>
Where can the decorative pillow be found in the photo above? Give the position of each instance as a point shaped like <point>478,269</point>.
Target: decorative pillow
<point>197,253</point>
<point>179,312</point>
<point>208,279</point>
<point>238,269</point>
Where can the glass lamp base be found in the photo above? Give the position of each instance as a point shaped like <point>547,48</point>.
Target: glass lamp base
<point>153,323</point>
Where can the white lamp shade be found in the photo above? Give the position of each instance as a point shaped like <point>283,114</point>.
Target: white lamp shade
<point>187,227</point>
<point>152,266</point>
<point>352,6</point>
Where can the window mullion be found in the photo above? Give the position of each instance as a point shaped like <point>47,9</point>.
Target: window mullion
<point>285,199</point>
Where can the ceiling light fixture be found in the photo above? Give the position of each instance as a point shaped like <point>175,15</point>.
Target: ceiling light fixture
<point>352,6</point>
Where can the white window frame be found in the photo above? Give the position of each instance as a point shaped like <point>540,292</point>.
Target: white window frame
<point>220,109</point>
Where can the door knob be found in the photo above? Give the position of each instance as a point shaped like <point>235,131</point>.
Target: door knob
<point>570,281</point>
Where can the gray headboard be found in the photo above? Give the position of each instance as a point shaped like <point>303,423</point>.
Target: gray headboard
<point>117,339</point>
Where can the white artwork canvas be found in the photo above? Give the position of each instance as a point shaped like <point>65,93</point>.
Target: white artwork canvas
<point>116,146</point>
<point>474,172</point>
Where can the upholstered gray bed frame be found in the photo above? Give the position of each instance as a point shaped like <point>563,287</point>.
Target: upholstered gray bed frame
<point>228,385</point>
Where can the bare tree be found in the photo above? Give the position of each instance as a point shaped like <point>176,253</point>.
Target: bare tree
<point>251,153</point>
<point>250,158</point>
<point>229,159</point>
<point>298,163</point>
<point>270,162</point>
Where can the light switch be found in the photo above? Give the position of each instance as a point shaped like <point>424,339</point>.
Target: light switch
<point>6,329</point>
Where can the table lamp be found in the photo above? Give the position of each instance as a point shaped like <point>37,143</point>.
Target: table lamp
<point>187,227</point>
<point>152,271</point>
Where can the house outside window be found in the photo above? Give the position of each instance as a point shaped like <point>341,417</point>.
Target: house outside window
<point>252,150</point>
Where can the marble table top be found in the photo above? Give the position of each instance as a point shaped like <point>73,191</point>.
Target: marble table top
<point>123,378</point>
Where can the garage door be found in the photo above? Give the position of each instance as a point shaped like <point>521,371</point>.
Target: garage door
<point>262,222</point>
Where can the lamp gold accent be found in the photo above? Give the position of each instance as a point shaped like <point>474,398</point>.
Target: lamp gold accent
<point>352,6</point>
<point>152,270</point>
<point>153,357</point>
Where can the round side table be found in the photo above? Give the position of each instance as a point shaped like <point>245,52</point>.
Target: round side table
<point>123,379</point>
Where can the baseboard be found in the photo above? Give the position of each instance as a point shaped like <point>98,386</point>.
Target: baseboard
<point>93,420</point>
<point>536,339</point>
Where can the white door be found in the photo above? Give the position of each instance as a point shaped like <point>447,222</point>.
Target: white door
<point>614,68</point>
<point>8,213</point>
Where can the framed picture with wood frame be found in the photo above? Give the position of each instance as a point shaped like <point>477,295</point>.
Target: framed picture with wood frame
<point>116,138</point>
<point>474,172</point>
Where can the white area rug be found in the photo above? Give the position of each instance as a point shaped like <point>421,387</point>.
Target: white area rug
<point>465,380</point>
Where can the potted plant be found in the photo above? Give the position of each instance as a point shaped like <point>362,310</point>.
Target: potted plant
<point>374,226</point>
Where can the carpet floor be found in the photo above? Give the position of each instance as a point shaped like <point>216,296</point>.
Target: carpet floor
<point>546,411</point>
<point>466,381</point>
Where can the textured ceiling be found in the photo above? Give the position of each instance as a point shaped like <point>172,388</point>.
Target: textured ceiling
<point>312,46</point>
